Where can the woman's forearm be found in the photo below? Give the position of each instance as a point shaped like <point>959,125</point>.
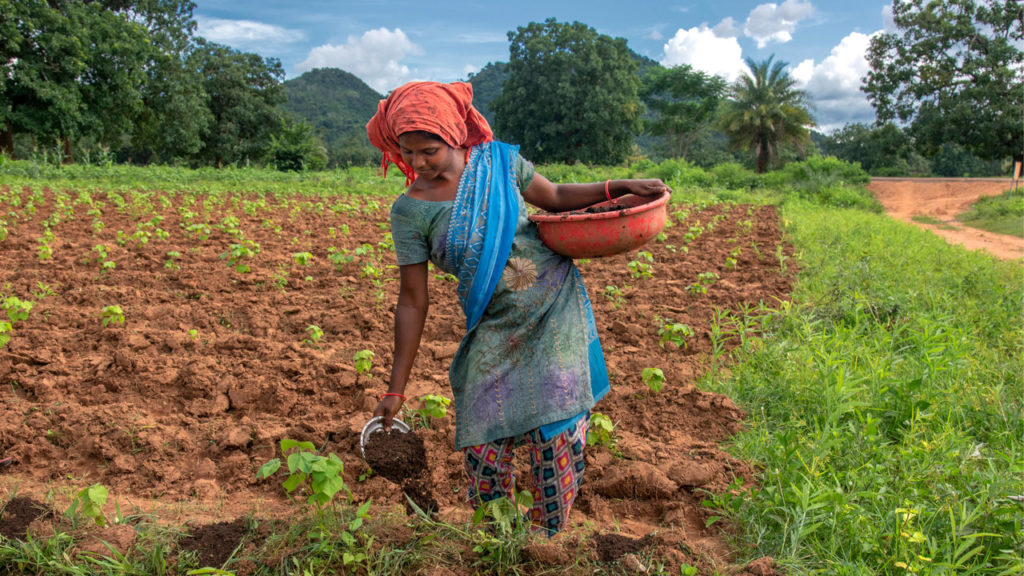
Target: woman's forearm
<point>409,322</point>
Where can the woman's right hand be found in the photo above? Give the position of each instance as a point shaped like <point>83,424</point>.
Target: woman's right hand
<point>388,408</point>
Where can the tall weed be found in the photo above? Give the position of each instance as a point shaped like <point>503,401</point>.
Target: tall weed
<point>886,405</point>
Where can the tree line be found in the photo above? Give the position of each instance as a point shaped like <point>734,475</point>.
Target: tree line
<point>130,80</point>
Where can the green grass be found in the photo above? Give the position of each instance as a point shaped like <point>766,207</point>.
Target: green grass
<point>885,406</point>
<point>1003,214</point>
<point>932,221</point>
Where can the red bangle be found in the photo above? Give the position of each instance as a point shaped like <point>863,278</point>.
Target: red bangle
<point>607,192</point>
<point>393,394</point>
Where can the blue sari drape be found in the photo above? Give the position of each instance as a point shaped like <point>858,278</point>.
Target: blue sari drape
<point>479,241</point>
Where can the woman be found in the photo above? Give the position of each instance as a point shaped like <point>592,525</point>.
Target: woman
<point>530,366</point>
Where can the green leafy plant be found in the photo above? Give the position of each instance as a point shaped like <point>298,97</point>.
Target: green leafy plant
<point>89,503</point>
<point>363,361</point>
<point>16,311</point>
<point>641,267</point>
<point>704,281</point>
<point>499,548</point>
<point>726,503</point>
<point>237,254</point>
<point>615,295</point>
<point>315,335</point>
<point>673,332</point>
<point>319,476</point>
<point>434,407</point>
<point>303,258</point>
<point>654,378</point>
<point>103,259</point>
<point>601,431</point>
<point>112,314</point>
<point>172,260</point>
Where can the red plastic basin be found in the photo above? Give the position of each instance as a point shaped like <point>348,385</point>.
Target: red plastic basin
<point>592,233</point>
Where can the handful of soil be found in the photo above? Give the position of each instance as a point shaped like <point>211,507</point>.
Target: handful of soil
<point>402,459</point>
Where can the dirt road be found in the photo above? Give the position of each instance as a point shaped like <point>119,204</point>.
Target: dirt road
<point>943,199</point>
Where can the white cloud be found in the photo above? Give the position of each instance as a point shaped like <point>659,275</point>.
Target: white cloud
<point>701,48</point>
<point>774,23</point>
<point>834,85</point>
<point>375,57</point>
<point>726,28</point>
<point>470,69</point>
<point>888,22</point>
<point>245,34</point>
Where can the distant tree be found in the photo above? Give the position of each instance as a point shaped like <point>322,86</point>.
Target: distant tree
<point>952,72</point>
<point>297,148</point>
<point>880,150</point>
<point>765,113</point>
<point>73,69</point>
<point>571,95</point>
<point>243,91</point>
<point>487,86</point>
<point>683,102</point>
<point>174,114</point>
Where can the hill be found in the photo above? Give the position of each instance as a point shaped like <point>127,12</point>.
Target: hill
<point>337,105</point>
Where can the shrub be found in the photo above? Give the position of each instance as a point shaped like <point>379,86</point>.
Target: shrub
<point>731,175</point>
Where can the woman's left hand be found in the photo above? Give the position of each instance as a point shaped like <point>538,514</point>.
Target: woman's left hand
<point>646,187</point>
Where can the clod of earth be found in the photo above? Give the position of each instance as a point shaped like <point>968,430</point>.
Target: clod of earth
<point>214,543</point>
<point>18,513</point>
<point>611,547</point>
<point>396,456</point>
<point>402,459</point>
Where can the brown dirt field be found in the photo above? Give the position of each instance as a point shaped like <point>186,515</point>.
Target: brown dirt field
<point>177,424</point>
<point>944,199</point>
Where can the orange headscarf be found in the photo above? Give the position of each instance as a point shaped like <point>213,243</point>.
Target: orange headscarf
<point>443,109</point>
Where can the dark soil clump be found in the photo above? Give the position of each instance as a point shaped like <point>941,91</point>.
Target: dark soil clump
<point>611,547</point>
<point>214,543</point>
<point>402,459</point>
<point>396,456</point>
<point>18,513</point>
<point>419,492</point>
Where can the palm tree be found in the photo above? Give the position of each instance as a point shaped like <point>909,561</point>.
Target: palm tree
<point>765,112</point>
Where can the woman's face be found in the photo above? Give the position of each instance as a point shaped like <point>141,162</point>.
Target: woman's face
<point>428,156</point>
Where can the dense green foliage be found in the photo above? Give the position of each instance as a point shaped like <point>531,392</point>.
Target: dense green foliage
<point>128,78</point>
<point>571,95</point>
<point>337,105</point>
<point>487,86</point>
<point>682,103</point>
<point>952,72</point>
<point>885,405</point>
<point>765,112</point>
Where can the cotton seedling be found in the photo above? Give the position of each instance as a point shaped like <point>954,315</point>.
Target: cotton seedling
<point>89,503</point>
<point>303,258</point>
<point>16,310</point>
<point>315,335</point>
<point>674,332</point>
<point>654,378</point>
<point>601,431</point>
<point>641,267</point>
<point>319,476</point>
<point>434,407</point>
<point>112,314</point>
<point>363,361</point>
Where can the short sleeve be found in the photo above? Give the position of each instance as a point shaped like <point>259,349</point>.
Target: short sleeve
<point>524,173</point>
<point>411,246</point>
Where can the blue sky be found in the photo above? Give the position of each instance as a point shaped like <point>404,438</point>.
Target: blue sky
<point>389,42</point>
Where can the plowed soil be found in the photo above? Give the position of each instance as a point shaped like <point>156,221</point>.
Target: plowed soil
<point>943,199</point>
<point>175,409</point>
